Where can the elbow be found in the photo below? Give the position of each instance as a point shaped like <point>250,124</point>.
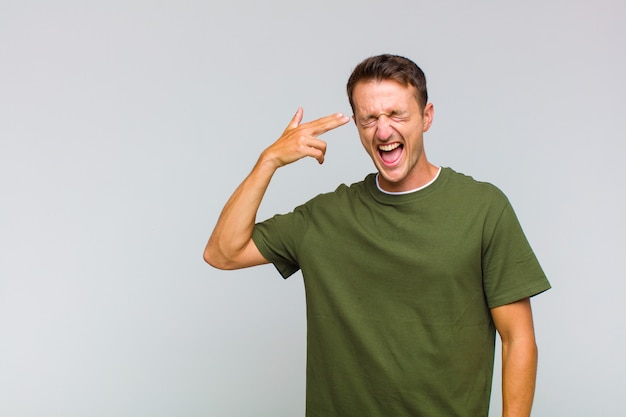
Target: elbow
<point>214,258</point>
<point>229,257</point>
<point>211,258</point>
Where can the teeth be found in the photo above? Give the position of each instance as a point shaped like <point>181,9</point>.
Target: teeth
<point>390,147</point>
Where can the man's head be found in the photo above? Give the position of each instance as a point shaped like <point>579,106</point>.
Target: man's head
<point>391,112</point>
<point>390,67</point>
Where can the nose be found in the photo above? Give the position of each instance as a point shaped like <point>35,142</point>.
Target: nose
<point>383,127</point>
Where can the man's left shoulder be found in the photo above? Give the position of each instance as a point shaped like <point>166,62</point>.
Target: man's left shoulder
<point>477,188</point>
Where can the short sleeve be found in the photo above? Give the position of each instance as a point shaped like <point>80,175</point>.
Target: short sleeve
<point>511,270</point>
<point>278,239</point>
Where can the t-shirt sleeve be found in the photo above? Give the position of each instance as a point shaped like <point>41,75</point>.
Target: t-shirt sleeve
<point>278,239</point>
<point>511,270</point>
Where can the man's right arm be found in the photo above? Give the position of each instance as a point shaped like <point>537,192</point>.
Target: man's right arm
<point>230,245</point>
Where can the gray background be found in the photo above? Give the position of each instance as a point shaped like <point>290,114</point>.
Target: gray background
<point>125,125</point>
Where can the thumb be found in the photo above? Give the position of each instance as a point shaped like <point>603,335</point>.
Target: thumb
<point>297,118</point>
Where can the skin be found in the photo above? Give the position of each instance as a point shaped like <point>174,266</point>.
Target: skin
<point>514,323</point>
<point>386,113</point>
<point>230,245</point>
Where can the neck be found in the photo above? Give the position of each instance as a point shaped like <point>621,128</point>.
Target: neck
<point>400,191</point>
<point>416,179</point>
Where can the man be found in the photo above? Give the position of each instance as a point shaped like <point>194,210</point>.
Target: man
<point>408,274</point>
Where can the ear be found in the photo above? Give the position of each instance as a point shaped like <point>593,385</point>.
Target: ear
<point>429,114</point>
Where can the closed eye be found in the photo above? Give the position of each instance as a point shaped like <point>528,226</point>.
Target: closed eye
<point>395,116</point>
<point>369,122</point>
<point>399,117</point>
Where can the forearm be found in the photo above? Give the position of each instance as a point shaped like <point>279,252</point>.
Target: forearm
<point>230,245</point>
<point>235,225</point>
<point>519,371</point>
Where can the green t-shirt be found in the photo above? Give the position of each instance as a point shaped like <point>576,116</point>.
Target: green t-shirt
<point>398,292</point>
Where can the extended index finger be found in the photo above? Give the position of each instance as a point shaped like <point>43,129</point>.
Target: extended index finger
<point>324,124</point>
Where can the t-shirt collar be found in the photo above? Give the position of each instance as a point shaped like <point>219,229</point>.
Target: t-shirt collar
<point>409,191</point>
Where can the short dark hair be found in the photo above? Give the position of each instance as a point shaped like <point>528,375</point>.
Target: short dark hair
<point>390,67</point>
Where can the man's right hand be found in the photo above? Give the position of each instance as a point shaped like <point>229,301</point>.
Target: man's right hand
<point>230,245</point>
<point>301,140</point>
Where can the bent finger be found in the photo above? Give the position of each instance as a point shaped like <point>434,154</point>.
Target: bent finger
<point>316,148</point>
<point>317,154</point>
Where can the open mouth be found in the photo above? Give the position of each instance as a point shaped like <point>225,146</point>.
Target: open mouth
<point>390,153</point>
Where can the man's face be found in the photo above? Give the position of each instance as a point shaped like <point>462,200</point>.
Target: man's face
<point>391,125</point>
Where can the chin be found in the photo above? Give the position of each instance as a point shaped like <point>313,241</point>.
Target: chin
<point>393,178</point>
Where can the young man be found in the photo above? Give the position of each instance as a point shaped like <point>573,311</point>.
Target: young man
<point>408,274</point>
